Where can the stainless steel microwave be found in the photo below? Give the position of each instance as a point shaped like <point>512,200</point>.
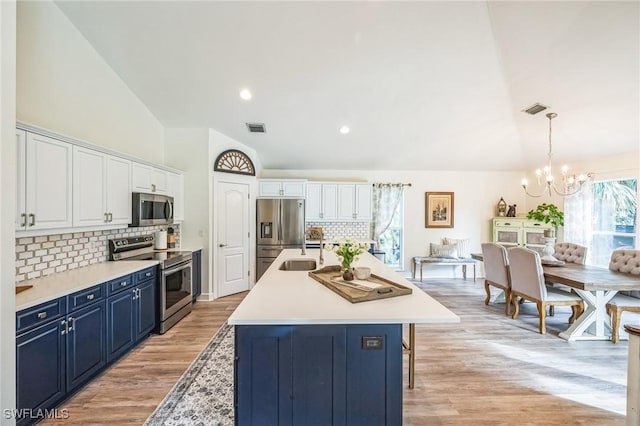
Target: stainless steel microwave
<point>151,209</point>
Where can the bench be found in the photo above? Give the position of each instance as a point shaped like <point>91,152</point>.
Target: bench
<point>626,262</point>
<point>419,262</point>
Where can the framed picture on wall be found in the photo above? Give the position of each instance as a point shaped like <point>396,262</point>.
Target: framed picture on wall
<point>439,210</point>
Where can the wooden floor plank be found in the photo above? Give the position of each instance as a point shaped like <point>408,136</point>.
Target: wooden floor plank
<point>487,370</point>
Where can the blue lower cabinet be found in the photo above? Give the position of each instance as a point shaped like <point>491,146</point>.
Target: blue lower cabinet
<point>40,368</point>
<point>196,259</point>
<point>121,334</point>
<point>86,344</point>
<point>319,375</point>
<point>145,307</point>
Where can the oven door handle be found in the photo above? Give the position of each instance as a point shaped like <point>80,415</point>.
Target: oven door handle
<point>178,268</point>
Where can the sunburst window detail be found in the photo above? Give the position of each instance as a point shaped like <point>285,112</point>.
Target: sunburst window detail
<point>234,161</point>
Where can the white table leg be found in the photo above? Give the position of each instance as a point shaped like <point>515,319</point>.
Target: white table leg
<point>594,316</point>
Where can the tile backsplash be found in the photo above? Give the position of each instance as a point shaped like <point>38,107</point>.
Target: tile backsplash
<point>340,230</point>
<point>48,254</point>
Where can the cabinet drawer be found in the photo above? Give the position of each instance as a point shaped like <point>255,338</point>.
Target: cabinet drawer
<point>120,284</point>
<point>146,274</point>
<point>85,297</point>
<point>507,224</point>
<point>37,315</point>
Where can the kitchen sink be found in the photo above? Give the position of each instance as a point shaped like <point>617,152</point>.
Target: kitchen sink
<point>298,265</point>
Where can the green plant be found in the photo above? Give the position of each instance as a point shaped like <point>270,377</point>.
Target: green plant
<point>348,251</point>
<point>547,213</point>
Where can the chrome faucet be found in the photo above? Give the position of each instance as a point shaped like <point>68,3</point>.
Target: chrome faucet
<point>304,240</point>
<point>321,260</point>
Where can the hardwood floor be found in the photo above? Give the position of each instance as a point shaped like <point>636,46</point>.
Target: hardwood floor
<point>487,370</point>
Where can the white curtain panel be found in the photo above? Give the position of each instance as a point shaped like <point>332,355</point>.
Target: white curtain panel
<point>578,218</point>
<point>386,198</point>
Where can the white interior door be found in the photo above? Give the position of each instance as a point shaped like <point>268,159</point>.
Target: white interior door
<point>233,237</point>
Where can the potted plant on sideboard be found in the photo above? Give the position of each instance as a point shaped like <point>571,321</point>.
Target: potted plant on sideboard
<point>548,213</point>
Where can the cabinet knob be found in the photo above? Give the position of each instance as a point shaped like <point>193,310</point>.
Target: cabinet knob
<point>90,296</point>
<point>42,315</point>
<point>148,274</point>
<point>123,284</point>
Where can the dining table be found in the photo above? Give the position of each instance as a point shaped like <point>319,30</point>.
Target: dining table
<point>596,286</point>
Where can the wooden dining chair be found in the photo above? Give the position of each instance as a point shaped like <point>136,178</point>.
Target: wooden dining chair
<point>527,282</point>
<point>496,271</point>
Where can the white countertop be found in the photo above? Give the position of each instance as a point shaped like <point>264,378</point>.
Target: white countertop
<point>292,297</point>
<point>63,283</point>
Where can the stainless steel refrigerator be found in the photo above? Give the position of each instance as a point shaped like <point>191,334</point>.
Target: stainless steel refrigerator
<point>280,225</point>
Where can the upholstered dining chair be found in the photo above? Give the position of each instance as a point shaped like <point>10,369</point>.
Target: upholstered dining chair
<point>625,261</point>
<point>527,282</point>
<point>496,271</point>
<point>570,253</point>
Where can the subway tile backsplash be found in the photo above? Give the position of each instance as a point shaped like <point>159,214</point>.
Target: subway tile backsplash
<point>340,230</point>
<point>45,255</point>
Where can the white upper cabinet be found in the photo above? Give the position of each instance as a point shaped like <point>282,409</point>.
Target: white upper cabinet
<point>175,188</point>
<point>279,188</point>
<point>44,182</point>
<point>363,202</point>
<point>101,188</point>
<point>149,179</point>
<point>343,202</point>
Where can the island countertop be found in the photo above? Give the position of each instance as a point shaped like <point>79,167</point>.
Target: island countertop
<point>293,297</point>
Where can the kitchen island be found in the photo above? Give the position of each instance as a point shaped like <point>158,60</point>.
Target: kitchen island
<point>305,355</point>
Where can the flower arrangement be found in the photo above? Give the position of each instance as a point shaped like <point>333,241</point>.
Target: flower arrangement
<point>347,251</point>
<point>547,213</point>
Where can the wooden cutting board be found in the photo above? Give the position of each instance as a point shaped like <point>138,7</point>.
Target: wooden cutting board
<point>21,288</point>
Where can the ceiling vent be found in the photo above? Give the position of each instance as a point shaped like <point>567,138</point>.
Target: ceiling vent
<point>535,108</point>
<point>256,127</point>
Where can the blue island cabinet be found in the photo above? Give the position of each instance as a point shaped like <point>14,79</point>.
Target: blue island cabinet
<point>318,374</point>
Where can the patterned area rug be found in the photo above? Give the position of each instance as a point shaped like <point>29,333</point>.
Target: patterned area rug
<point>204,393</point>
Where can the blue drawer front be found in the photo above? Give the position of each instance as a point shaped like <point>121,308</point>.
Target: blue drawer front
<point>120,284</point>
<point>86,296</point>
<point>146,274</point>
<point>37,315</point>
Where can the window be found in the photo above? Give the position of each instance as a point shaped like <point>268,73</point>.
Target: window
<point>614,220</point>
<point>391,240</point>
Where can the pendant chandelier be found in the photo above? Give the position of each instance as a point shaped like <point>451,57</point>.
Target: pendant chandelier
<point>568,184</point>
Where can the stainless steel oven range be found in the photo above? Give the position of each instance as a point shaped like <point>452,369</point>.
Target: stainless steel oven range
<point>174,294</point>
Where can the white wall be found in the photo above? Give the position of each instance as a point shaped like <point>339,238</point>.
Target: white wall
<point>7,207</point>
<point>476,195</point>
<point>64,85</point>
<point>188,150</point>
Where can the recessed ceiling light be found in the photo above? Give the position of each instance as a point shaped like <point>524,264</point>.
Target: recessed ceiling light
<point>344,130</point>
<point>245,94</point>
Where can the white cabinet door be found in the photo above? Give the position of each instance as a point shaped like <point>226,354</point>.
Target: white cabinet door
<point>118,190</point>
<point>89,187</point>
<point>363,201</point>
<point>276,188</point>
<point>175,189</point>
<point>329,201</point>
<point>159,181</point>
<point>48,182</point>
<point>313,205</point>
<point>21,162</point>
<point>149,179</point>
<point>269,188</point>
<point>141,177</point>
<point>293,188</point>
<point>346,200</point>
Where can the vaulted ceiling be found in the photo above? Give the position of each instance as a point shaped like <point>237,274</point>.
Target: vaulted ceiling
<point>428,85</point>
